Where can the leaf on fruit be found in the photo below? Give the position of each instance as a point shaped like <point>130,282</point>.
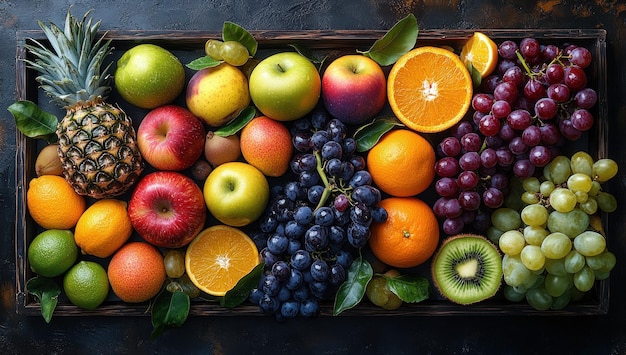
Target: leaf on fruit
<point>203,62</point>
<point>242,289</point>
<point>409,288</point>
<point>170,309</point>
<point>245,116</point>
<point>307,53</point>
<point>46,292</point>
<point>351,291</point>
<point>368,135</point>
<point>233,32</point>
<point>34,122</point>
<point>400,39</point>
<point>475,74</point>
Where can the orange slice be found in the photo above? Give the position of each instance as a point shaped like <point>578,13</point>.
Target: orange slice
<point>482,52</point>
<point>218,257</point>
<point>429,89</point>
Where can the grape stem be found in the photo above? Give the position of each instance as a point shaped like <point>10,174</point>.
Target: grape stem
<point>327,186</point>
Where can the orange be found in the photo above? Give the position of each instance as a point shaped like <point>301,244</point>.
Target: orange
<point>266,145</point>
<point>219,257</point>
<point>482,52</point>
<point>53,203</point>
<point>103,228</point>
<point>402,163</point>
<point>410,234</point>
<point>429,89</point>
<point>136,272</point>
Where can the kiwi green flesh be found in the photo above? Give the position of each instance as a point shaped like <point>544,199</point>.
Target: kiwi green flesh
<point>467,269</point>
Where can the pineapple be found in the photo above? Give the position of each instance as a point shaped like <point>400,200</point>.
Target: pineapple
<point>97,141</point>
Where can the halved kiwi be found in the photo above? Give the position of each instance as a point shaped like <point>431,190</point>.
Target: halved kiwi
<point>467,269</point>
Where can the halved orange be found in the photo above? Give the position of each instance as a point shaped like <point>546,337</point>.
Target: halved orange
<point>429,89</point>
<point>218,257</point>
<point>482,52</point>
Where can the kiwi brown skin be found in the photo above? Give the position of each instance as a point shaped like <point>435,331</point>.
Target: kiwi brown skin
<point>488,291</point>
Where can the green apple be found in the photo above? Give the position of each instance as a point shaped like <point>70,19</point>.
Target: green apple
<point>236,193</point>
<point>149,76</point>
<point>285,86</point>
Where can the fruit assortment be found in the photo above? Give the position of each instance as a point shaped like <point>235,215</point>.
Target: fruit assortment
<point>271,158</point>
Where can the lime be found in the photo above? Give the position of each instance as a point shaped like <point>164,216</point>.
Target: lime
<point>52,252</point>
<point>86,284</point>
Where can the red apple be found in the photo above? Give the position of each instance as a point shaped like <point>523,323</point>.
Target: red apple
<point>167,209</point>
<point>354,88</point>
<point>170,138</point>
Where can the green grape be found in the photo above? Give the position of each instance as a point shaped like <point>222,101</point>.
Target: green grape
<point>173,287</point>
<point>557,285</point>
<point>533,281</point>
<point>234,53</point>
<point>595,188</point>
<point>604,260</point>
<point>571,223</point>
<point>606,202</point>
<point>560,169</point>
<point>514,272</point>
<point>539,298</point>
<point>493,234</point>
<point>584,279</point>
<point>582,162</point>
<point>562,199</point>
<point>579,182</point>
<point>594,262</point>
<point>590,206</point>
<point>573,262</point>
<point>556,266</point>
<point>535,235</point>
<point>546,188</point>
<point>534,215</point>
<point>512,295</point>
<point>212,48</point>
<point>174,263</point>
<point>604,169</point>
<point>562,301</point>
<point>556,245</point>
<point>601,274</point>
<point>530,198</point>
<point>532,257</point>
<point>589,243</point>
<point>505,219</point>
<point>189,287</point>
<point>609,260</point>
<point>531,184</point>
<point>581,197</point>
<point>511,242</point>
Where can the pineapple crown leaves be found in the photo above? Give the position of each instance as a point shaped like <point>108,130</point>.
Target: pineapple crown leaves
<point>70,71</point>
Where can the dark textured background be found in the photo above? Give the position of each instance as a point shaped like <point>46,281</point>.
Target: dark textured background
<point>326,335</point>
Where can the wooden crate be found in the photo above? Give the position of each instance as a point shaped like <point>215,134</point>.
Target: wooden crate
<point>188,45</point>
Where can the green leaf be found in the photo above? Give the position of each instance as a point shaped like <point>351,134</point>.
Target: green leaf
<point>46,292</point>
<point>169,310</point>
<point>233,32</point>
<point>352,290</point>
<point>307,53</point>
<point>409,288</point>
<point>203,62</point>
<point>400,39</point>
<point>34,122</point>
<point>475,74</point>
<point>368,135</point>
<point>241,291</point>
<point>245,116</point>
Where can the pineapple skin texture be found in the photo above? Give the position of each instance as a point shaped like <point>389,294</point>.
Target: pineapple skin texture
<point>98,150</point>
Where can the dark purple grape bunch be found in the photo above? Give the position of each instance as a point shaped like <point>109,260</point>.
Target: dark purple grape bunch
<point>536,100</point>
<point>316,221</point>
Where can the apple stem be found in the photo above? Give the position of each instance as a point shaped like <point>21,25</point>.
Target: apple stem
<point>327,187</point>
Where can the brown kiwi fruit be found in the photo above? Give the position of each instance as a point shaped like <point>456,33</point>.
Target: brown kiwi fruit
<point>467,269</point>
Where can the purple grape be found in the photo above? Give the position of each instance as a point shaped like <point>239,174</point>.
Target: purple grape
<point>341,202</point>
<point>494,141</point>
<point>488,84</point>
<point>550,134</point>
<point>301,141</point>
<point>488,158</point>
<point>446,187</point>
<point>558,92</point>
<point>519,119</point>
<point>505,157</point>
<point>493,198</point>
<point>549,52</point>
<point>500,109</point>
<point>505,91</point>
<point>523,168</point>
<point>531,136</point>
<point>489,125</point>
<point>582,120</point>
<point>467,180</point>
<point>546,108</point>
<point>568,131</point>
<point>507,132</point>
<point>471,142</point>
<point>530,48</point>
<point>470,161</point>
<point>507,49</point>
<point>517,146</point>
<point>539,156</point>
<point>514,75</point>
<point>499,181</point>
<point>482,222</point>
<point>451,208</point>
<point>438,206</point>
<point>447,167</point>
<point>453,226</point>
<point>534,90</point>
<point>477,116</point>
<point>469,200</point>
<point>450,146</point>
<point>575,78</point>
<point>580,56</point>
<point>482,102</point>
<point>504,65</point>
<point>461,129</point>
<point>586,98</point>
<point>554,73</point>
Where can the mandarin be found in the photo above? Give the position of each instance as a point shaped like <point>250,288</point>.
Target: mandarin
<point>409,236</point>
<point>53,203</point>
<point>429,89</point>
<point>402,163</point>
